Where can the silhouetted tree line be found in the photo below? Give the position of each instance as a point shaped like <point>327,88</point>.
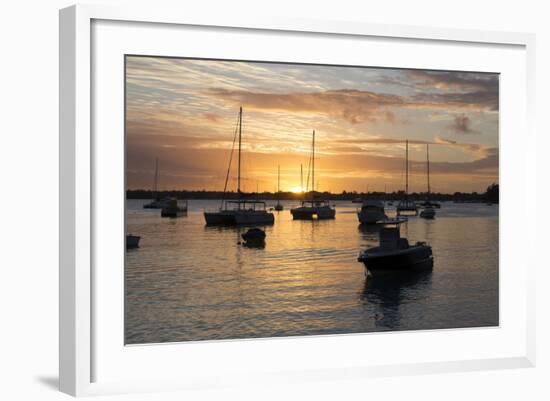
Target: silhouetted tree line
<point>491,195</point>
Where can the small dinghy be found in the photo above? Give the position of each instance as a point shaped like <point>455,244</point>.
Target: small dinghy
<point>254,235</point>
<point>132,241</point>
<point>395,255</point>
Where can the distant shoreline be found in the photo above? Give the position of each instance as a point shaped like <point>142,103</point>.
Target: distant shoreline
<point>291,196</point>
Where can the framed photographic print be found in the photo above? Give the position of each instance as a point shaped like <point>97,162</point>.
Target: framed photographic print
<point>270,199</point>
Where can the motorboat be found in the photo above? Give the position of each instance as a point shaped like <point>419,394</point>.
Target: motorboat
<point>132,241</point>
<point>428,212</point>
<point>426,203</point>
<point>174,209</point>
<point>371,212</point>
<point>394,254</point>
<point>314,208</point>
<point>240,211</point>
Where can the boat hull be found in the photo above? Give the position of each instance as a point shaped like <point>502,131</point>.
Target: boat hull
<point>415,258</point>
<point>370,217</point>
<point>427,214</point>
<point>253,218</point>
<point>132,241</point>
<point>173,212</point>
<point>313,213</point>
<point>233,218</point>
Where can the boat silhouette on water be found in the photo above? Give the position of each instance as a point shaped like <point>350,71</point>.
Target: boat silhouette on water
<point>132,241</point>
<point>428,211</point>
<point>174,209</point>
<point>254,238</point>
<point>278,206</point>
<point>157,202</point>
<point>313,209</point>
<point>407,206</point>
<point>240,211</point>
<point>394,254</point>
<point>371,212</point>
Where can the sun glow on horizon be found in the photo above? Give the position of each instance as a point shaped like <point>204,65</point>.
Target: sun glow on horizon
<point>296,190</point>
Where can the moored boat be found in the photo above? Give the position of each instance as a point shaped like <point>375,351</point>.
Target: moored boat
<point>371,212</point>
<point>254,234</point>
<point>431,203</point>
<point>278,206</point>
<point>428,212</point>
<point>313,209</point>
<point>132,241</point>
<point>157,202</point>
<point>241,211</point>
<point>407,206</point>
<point>174,209</point>
<point>395,255</point>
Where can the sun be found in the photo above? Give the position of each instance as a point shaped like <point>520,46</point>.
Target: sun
<point>297,190</point>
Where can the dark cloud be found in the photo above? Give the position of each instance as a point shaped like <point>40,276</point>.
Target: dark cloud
<point>462,81</point>
<point>478,90</point>
<point>382,141</point>
<point>352,105</point>
<point>462,125</point>
<point>356,106</point>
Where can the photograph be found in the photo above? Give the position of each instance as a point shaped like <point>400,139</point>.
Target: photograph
<point>273,199</point>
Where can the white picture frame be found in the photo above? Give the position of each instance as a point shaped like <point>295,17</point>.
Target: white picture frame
<point>78,155</point>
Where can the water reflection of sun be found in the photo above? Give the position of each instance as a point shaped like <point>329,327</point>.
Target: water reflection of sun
<point>296,190</point>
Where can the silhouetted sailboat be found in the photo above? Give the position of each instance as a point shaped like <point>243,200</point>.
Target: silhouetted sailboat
<point>278,206</point>
<point>157,202</point>
<point>313,209</point>
<point>407,206</point>
<point>241,211</point>
<point>428,212</point>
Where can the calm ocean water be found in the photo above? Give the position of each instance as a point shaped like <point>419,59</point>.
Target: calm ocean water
<point>191,282</point>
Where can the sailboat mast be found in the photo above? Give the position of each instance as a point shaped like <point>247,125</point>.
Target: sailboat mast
<point>155,184</point>
<point>302,177</point>
<point>313,164</point>
<point>407,167</point>
<point>239,162</point>
<point>279,178</point>
<point>428,165</point>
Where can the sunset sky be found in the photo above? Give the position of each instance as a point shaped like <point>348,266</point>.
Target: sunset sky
<point>185,111</point>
